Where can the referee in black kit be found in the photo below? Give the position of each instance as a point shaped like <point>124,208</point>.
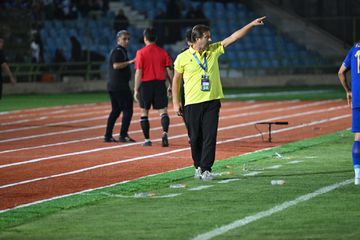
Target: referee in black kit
<point>119,90</point>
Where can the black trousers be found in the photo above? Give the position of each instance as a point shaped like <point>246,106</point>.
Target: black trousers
<point>202,121</point>
<point>1,86</point>
<point>121,101</point>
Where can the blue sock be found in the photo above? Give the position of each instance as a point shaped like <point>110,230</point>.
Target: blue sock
<point>356,154</point>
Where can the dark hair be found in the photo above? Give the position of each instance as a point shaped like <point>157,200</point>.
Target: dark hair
<point>188,35</point>
<point>150,34</point>
<point>198,31</point>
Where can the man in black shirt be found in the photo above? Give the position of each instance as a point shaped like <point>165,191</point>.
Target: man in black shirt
<point>4,67</point>
<point>119,90</point>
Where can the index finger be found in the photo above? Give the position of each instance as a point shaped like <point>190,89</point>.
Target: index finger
<point>262,18</point>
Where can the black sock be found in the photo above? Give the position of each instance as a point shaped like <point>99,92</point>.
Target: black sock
<point>165,122</point>
<point>145,126</point>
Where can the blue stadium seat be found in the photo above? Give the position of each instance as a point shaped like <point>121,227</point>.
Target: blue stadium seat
<point>263,47</point>
<point>234,64</point>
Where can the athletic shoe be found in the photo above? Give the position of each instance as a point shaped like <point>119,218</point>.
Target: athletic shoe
<point>126,139</point>
<point>206,176</point>
<point>109,140</point>
<point>147,144</point>
<point>197,174</point>
<point>165,142</point>
<point>357,181</point>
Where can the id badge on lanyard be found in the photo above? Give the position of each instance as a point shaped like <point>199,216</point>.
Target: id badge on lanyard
<point>205,79</point>
<point>205,83</point>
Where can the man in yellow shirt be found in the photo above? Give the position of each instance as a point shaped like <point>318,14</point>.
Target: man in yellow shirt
<point>198,67</point>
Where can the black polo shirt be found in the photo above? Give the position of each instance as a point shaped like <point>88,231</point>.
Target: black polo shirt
<point>118,78</point>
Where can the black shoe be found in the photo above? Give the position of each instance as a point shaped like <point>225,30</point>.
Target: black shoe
<point>126,139</point>
<point>109,140</point>
<point>165,142</point>
<point>147,144</point>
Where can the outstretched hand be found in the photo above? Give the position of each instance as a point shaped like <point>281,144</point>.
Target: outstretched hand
<point>258,21</point>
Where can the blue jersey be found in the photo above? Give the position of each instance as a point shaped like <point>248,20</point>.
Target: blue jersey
<point>352,61</point>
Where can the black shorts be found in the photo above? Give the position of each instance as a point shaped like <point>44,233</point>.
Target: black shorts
<point>153,93</point>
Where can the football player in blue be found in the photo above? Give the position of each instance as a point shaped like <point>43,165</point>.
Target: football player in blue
<point>352,62</point>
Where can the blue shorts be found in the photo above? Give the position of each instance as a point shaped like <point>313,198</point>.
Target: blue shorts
<point>355,120</point>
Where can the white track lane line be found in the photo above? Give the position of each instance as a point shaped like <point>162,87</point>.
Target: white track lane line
<point>118,124</point>
<point>33,120</point>
<point>103,126</point>
<point>173,137</point>
<point>278,208</point>
<point>101,109</point>
<point>50,115</point>
<point>165,153</point>
<point>46,110</point>
<point>103,116</point>
<point>137,131</point>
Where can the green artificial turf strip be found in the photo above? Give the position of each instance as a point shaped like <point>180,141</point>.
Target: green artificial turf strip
<point>16,102</point>
<point>96,215</point>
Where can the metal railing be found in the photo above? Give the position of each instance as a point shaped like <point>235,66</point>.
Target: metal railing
<point>34,72</point>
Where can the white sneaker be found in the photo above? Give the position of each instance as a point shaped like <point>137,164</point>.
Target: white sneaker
<point>357,181</point>
<point>197,174</point>
<point>206,176</point>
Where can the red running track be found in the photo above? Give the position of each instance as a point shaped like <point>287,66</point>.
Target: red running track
<point>51,152</point>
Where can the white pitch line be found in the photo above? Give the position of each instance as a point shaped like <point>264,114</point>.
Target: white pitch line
<point>251,174</point>
<point>229,180</point>
<point>294,162</point>
<point>163,153</point>
<point>274,167</point>
<point>171,195</point>
<point>201,187</point>
<point>278,208</point>
<point>178,136</point>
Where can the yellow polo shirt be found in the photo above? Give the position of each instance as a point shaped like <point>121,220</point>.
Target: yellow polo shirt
<point>186,64</point>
